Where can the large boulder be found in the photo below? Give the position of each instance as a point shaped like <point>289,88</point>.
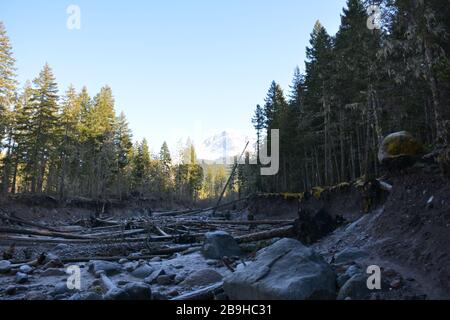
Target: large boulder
<point>220,244</point>
<point>356,288</point>
<point>287,270</point>
<point>400,150</point>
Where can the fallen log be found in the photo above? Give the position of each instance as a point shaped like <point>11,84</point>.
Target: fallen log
<point>18,264</point>
<point>162,232</point>
<point>265,235</point>
<point>44,233</point>
<point>239,223</point>
<point>207,293</point>
<point>27,223</point>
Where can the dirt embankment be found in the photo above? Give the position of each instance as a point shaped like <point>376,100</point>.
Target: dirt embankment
<point>409,233</point>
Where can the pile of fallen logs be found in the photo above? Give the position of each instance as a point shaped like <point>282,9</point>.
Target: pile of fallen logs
<point>162,233</point>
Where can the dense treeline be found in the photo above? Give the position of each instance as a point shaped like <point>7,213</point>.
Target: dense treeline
<point>76,145</point>
<point>358,86</point>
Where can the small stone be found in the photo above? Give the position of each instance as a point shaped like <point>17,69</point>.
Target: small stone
<point>5,266</point>
<point>396,284</point>
<point>211,262</point>
<point>11,290</point>
<point>142,272</point>
<point>430,203</point>
<point>151,279</point>
<point>156,259</point>
<point>26,269</point>
<point>123,261</point>
<point>21,278</point>
<point>173,293</point>
<point>164,280</point>
<point>61,288</point>
<point>179,278</point>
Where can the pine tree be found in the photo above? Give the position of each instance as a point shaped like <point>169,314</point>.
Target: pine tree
<point>7,95</point>
<point>166,168</point>
<point>70,122</point>
<point>7,79</point>
<point>123,146</point>
<point>43,127</point>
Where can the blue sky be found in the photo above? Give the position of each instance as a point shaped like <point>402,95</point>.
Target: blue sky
<point>177,68</point>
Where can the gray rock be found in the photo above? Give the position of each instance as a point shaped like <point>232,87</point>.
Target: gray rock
<point>53,272</point>
<point>5,266</point>
<point>61,288</point>
<point>220,244</point>
<point>151,279</point>
<point>123,261</point>
<point>179,278</point>
<point>11,290</point>
<point>142,272</point>
<point>132,291</point>
<point>202,278</point>
<point>164,280</point>
<point>110,268</point>
<point>21,278</point>
<point>26,269</point>
<point>130,266</point>
<point>287,270</point>
<point>349,255</point>
<point>356,289</point>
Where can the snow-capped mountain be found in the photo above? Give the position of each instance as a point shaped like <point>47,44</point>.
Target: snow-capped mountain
<point>223,147</point>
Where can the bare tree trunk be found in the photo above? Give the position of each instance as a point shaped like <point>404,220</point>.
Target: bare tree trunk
<point>441,131</point>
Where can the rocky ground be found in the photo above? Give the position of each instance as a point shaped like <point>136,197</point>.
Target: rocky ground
<point>406,236</point>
